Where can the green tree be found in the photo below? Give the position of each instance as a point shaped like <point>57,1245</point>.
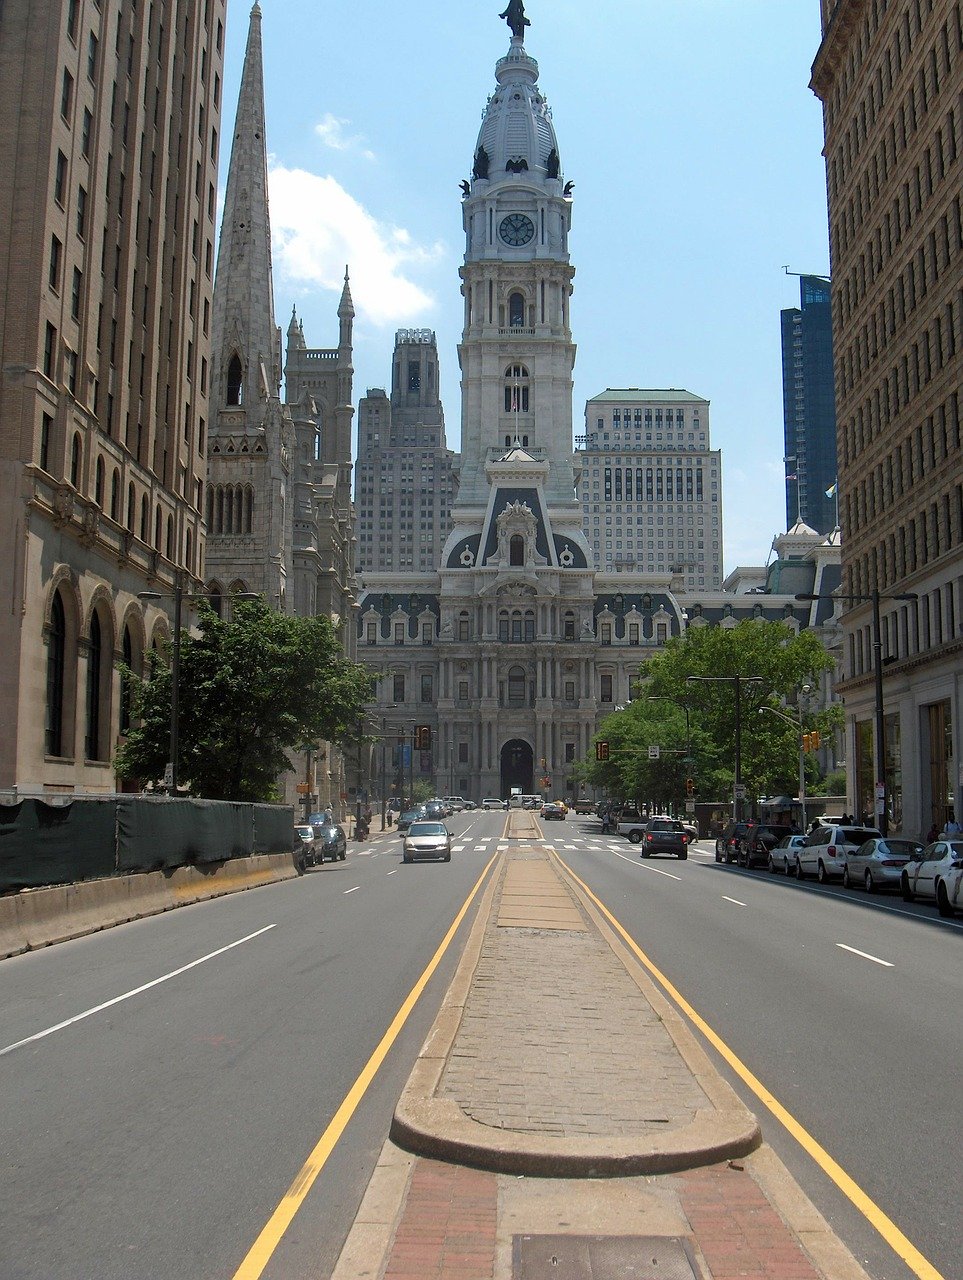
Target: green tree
<point>783,660</point>
<point>250,690</point>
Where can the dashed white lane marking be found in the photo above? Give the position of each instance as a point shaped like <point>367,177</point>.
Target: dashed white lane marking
<point>735,900</point>
<point>395,872</point>
<point>643,866</point>
<point>354,890</point>
<point>78,1017</point>
<point>866,956</point>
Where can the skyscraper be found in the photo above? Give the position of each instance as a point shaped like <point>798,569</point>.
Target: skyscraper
<point>809,407</point>
<point>890,78</point>
<point>108,175</point>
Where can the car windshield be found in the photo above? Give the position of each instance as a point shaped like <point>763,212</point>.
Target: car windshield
<point>428,829</point>
<point>902,848</point>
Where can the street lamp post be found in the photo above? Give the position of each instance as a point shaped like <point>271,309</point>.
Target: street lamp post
<point>874,597</point>
<point>178,595</point>
<point>806,689</point>
<point>737,682</point>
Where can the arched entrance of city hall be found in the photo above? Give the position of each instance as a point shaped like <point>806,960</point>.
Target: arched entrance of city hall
<point>518,767</point>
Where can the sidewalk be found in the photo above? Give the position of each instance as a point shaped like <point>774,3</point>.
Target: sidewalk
<point>561,1120</point>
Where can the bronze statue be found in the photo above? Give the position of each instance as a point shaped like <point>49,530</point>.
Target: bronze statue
<point>482,161</point>
<point>514,15</point>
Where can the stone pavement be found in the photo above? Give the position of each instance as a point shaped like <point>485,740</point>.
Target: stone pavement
<point>561,1120</point>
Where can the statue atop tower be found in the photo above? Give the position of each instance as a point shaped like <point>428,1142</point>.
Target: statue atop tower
<point>514,15</point>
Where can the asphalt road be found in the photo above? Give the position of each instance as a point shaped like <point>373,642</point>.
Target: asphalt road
<point>156,1136</point>
<point>155,1133</point>
<point>848,1008</point>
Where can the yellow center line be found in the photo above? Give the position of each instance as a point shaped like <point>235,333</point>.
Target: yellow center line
<point>261,1251</point>
<point>897,1241</point>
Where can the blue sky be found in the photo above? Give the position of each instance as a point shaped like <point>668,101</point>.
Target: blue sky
<point>694,144</point>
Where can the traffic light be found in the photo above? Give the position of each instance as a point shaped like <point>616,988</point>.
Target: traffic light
<point>807,741</point>
<point>601,751</point>
<point>814,739</point>
<point>690,786</point>
<point>422,737</point>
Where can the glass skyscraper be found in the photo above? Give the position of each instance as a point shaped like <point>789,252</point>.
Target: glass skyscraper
<point>809,407</point>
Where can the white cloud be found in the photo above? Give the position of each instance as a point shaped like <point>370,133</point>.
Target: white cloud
<point>331,130</point>
<point>317,228</point>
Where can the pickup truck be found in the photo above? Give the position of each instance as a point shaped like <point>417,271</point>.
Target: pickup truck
<point>657,835</point>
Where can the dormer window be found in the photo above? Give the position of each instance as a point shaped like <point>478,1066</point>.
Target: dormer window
<point>516,550</point>
<point>516,310</point>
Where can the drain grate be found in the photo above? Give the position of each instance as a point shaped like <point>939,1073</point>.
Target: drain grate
<point>602,1258</point>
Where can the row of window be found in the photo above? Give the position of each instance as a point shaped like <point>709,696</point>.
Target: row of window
<point>909,629</point>
<point>916,543</point>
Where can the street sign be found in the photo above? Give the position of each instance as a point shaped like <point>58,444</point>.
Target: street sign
<point>653,753</point>
<point>880,791</point>
<point>739,792</point>
<point>690,806</point>
<point>168,775</point>
<point>304,788</point>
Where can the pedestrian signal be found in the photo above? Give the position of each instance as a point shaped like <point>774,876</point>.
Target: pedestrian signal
<point>422,737</point>
<point>601,751</point>
<point>690,786</point>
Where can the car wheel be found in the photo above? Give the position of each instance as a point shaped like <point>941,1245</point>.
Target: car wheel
<point>344,854</point>
<point>943,904</point>
<point>635,837</point>
<point>300,866</point>
<point>821,875</point>
<point>847,883</point>
<point>800,874</point>
<point>906,891</point>
<point>447,857</point>
<point>869,882</point>
<point>729,859</point>
<point>718,854</point>
<point>771,866</point>
<point>683,856</point>
<point>405,858</point>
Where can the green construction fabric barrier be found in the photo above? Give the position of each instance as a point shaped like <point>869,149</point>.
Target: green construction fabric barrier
<point>154,833</point>
<point>43,844</point>
<point>273,828</point>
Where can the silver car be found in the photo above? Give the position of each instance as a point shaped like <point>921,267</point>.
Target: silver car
<point>938,874</point>
<point>782,856</point>
<point>427,840</point>
<point>824,852</point>
<point>878,863</point>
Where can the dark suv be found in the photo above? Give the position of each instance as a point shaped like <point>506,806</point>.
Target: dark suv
<point>727,844</point>
<point>760,839</point>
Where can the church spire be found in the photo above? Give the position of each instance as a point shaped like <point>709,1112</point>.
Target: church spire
<point>346,313</point>
<point>243,327</point>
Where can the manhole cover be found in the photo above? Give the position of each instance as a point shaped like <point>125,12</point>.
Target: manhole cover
<point>602,1258</point>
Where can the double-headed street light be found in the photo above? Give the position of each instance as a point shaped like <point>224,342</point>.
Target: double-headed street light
<point>179,595</point>
<point>874,597</point>
<point>737,682</point>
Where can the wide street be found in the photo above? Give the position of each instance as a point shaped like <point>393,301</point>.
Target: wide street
<point>166,1081</point>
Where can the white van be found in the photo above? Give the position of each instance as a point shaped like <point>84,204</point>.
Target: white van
<point>494,802</point>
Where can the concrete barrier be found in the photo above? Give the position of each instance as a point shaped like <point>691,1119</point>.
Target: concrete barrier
<point>39,917</point>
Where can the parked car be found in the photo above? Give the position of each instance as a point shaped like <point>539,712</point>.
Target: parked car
<point>879,862</point>
<point>494,802</point>
<point>759,839</point>
<point>584,806</point>
<point>727,844</point>
<point>562,805</point>
<point>823,853</point>
<point>938,874</point>
<point>437,810</point>
<point>663,835</point>
<point>455,803</point>
<point>303,844</point>
<point>409,816</point>
<point>323,840</point>
<point>470,804</point>
<point>425,839</point>
<point>553,810</point>
<point>782,857</point>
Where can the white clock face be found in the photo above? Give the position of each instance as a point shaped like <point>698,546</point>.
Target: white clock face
<point>516,229</point>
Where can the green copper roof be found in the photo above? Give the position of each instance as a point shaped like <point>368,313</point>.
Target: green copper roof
<point>618,395</point>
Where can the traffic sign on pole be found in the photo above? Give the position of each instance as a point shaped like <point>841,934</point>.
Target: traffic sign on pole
<point>653,753</point>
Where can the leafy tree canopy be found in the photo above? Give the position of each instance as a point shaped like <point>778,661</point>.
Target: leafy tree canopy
<point>704,748</point>
<point>251,689</point>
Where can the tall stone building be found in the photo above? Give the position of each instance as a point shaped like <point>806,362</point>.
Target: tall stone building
<point>890,78</point>
<point>516,647</point>
<point>108,174</point>
<point>809,407</point>
<point>405,481</point>
<point>279,512</point>
<point>651,487</point>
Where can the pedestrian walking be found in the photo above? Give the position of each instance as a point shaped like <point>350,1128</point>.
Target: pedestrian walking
<point>952,828</point>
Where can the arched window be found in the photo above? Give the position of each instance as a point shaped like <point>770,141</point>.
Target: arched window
<point>95,656</point>
<point>516,389</point>
<point>56,657</point>
<point>235,378</point>
<point>210,508</point>
<point>317,446</point>
<point>219,518</point>
<point>76,458</point>
<point>516,310</point>
<point>158,525</point>
<point>125,682</point>
<point>99,483</point>
<point>249,510</point>
<point>516,687</point>
<point>516,549</point>
<point>170,537</point>
<point>189,552</point>
<point>131,506</point>
<point>216,599</point>
<point>144,518</point>
<point>114,494</point>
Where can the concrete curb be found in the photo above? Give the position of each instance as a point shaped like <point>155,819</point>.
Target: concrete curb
<point>439,1129</point>
<point>40,917</point>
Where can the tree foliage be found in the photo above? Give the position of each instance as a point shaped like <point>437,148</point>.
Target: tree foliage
<point>251,689</point>
<point>783,660</point>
